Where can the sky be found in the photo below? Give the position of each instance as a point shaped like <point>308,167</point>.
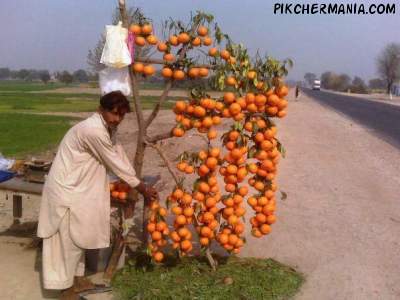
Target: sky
<point>57,34</point>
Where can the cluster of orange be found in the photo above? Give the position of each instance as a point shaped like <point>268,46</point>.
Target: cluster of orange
<point>158,229</point>
<point>207,194</point>
<point>184,212</point>
<point>201,115</point>
<point>234,172</point>
<point>119,191</point>
<point>144,35</point>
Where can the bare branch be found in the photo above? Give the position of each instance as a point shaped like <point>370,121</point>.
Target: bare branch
<point>156,109</point>
<point>159,137</point>
<point>166,161</point>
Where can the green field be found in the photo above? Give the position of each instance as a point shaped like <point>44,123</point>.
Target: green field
<point>23,86</point>
<point>24,131</point>
<point>249,278</point>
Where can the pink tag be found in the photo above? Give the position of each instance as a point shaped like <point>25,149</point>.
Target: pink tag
<point>131,45</point>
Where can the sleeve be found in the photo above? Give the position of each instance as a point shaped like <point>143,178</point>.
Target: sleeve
<point>115,159</point>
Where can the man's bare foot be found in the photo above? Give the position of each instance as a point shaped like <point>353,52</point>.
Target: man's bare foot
<point>82,284</point>
<point>69,294</point>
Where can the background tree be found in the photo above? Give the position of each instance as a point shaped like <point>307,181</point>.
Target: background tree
<point>5,73</point>
<point>358,86</point>
<point>376,83</point>
<point>23,74</point>
<point>65,77</point>
<point>388,64</point>
<point>80,76</point>
<point>44,76</point>
<point>309,78</point>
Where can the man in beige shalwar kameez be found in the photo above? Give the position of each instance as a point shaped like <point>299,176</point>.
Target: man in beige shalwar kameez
<point>75,207</point>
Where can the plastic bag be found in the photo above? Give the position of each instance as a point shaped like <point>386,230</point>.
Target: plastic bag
<point>5,164</point>
<point>115,52</point>
<point>111,79</point>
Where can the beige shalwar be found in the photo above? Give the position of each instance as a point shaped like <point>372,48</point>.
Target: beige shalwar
<point>78,184</point>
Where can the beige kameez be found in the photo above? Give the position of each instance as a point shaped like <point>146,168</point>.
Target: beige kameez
<point>78,184</point>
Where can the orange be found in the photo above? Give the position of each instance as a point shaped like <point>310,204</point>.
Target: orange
<point>189,169</point>
<point>281,113</point>
<point>205,231</point>
<point>271,219</point>
<point>181,220</point>
<point>282,91</point>
<point>176,210</point>
<point>193,72</point>
<point>181,166</point>
<point>151,39</point>
<point>156,235</point>
<point>136,29</point>
<point>173,40</point>
<point>203,170</point>
<point>250,98</point>
<point>202,30</point>
<point>204,241</point>
<point>223,238</point>
<point>233,135</point>
<point>231,169</point>
<point>251,75</point>
<point>232,239</point>
<point>213,52</point>
<point>207,41</point>
<point>211,162</point>
<point>161,226</point>
<point>266,145</point>
<point>183,38</point>
<point>140,41</point>
<point>196,41</point>
<point>230,188</point>
<point>229,97</point>
<point>265,229</point>
<point>204,187</point>
<point>216,120</point>
<point>186,245</point>
<point>273,99</point>
<point>149,70</point>
<point>230,80</point>
<point>162,47</point>
<point>158,256</point>
<point>215,152</point>
<point>225,54</point>
<point>256,232</point>
<point>178,75</point>
<point>169,57</point>
<point>252,108</point>
<point>212,134</point>
<point>243,191</point>
<point>178,194</point>
<point>138,67</point>
<point>203,72</point>
<point>272,110</point>
<point>260,99</point>
<point>234,109</point>
<point>151,227</point>
<point>259,185</point>
<point>282,104</point>
<point>178,132</point>
<point>252,168</point>
<point>147,29</point>
<point>166,72</point>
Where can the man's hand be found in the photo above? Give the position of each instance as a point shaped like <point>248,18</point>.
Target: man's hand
<point>147,191</point>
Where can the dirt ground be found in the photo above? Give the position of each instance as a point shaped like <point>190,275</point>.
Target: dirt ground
<point>339,224</point>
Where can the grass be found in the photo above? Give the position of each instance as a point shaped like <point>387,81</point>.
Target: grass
<point>48,102</point>
<point>28,133</point>
<point>192,279</point>
<point>24,86</point>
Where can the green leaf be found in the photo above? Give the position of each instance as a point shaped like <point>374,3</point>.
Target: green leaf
<point>283,195</point>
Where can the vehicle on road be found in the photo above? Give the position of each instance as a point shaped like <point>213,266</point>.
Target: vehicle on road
<point>316,85</point>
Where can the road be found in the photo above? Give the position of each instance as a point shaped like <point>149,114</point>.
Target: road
<point>382,118</point>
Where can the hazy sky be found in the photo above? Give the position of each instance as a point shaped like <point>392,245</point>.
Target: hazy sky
<point>57,34</point>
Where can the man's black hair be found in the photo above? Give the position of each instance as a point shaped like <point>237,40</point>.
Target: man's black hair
<point>114,100</point>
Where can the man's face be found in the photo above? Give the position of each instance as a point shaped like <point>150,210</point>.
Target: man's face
<point>112,118</point>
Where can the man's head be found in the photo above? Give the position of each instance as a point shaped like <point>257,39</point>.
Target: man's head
<point>113,107</point>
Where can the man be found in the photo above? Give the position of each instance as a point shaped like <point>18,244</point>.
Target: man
<point>75,207</point>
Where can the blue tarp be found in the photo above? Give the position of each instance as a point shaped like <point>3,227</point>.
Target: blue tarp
<point>5,175</point>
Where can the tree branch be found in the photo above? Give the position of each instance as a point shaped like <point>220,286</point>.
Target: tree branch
<point>162,62</point>
<point>156,109</point>
<point>166,161</point>
<point>159,137</point>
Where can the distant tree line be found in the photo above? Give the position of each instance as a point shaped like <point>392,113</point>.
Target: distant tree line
<point>80,76</point>
<point>388,69</point>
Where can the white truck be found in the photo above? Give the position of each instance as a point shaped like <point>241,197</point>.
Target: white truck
<point>316,85</point>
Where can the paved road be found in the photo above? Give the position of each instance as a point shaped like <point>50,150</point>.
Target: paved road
<point>382,118</point>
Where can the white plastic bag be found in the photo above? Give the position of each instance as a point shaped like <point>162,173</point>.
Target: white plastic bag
<point>5,164</point>
<point>115,52</point>
<point>111,79</point>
